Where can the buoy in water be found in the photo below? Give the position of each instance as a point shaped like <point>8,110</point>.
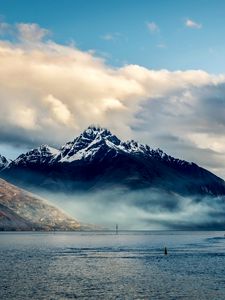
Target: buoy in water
<point>117,228</point>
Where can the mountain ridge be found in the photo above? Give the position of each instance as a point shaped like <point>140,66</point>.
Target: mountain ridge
<point>98,158</point>
<point>51,154</point>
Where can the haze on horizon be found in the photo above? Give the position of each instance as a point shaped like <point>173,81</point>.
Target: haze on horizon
<point>153,76</point>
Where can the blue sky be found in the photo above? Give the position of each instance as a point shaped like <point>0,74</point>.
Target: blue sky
<point>118,31</point>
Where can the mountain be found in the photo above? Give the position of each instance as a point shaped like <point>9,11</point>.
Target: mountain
<point>97,159</point>
<point>21,210</point>
<point>3,162</point>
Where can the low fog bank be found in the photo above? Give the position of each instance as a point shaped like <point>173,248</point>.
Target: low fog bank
<point>143,209</point>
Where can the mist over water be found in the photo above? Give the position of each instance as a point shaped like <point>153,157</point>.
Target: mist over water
<point>142,209</point>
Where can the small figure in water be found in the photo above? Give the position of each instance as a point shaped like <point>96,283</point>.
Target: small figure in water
<point>116,228</point>
<point>165,251</point>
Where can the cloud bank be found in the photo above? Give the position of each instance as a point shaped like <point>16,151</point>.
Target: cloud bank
<point>143,209</point>
<point>50,92</point>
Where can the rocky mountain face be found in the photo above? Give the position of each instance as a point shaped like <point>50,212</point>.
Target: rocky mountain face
<point>3,162</point>
<point>98,159</point>
<point>20,210</point>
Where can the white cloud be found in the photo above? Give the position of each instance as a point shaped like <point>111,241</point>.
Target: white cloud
<point>59,110</point>
<point>31,32</point>
<point>50,92</point>
<point>108,37</point>
<point>152,27</point>
<point>23,117</point>
<point>192,24</point>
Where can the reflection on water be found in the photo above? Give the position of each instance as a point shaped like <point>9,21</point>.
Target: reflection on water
<point>102,265</point>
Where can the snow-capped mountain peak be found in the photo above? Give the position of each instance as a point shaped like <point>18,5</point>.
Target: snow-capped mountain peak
<point>94,133</point>
<point>97,142</point>
<point>98,156</point>
<point>47,150</point>
<point>42,154</point>
<point>93,144</point>
<point>87,144</point>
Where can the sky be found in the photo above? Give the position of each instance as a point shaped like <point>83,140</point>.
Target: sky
<point>153,71</point>
<point>174,34</point>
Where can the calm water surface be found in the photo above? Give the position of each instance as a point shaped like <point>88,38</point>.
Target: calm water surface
<point>103,265</point>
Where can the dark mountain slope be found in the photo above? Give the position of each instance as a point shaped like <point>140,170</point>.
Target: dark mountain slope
<point>98,159</point>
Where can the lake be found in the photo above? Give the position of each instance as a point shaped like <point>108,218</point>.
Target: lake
<point>103,265</point>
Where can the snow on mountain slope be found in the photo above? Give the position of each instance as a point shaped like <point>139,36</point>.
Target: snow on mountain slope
<point>87,145</point>
<point>41,155</point>
<point>97,157</point>
<point>92,142</point>
<point>3,162</point>
<point>96,139</point>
